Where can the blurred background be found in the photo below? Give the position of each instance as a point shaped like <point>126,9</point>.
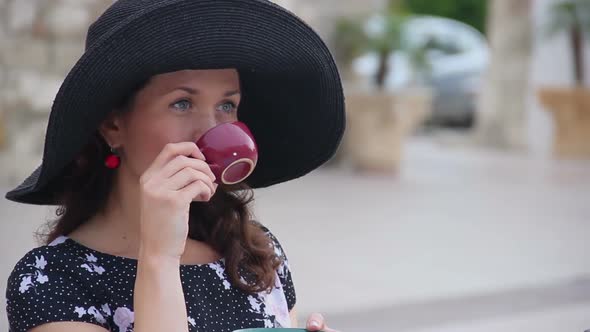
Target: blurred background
<point>460,197</point>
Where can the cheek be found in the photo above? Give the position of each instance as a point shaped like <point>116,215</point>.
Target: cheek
<point>227,117</point>
<point>146,139</point>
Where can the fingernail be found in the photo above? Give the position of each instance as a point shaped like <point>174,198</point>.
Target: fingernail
<point>314,323</point>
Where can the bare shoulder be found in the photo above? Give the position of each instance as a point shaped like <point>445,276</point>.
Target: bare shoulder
<point>68,326</point>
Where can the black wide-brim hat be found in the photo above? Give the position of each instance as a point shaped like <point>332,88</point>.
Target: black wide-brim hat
<point>293,100</point>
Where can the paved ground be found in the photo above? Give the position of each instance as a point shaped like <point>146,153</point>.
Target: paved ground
<point>461,240</point>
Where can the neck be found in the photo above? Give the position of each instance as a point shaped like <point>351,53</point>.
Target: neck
<point>119,222</point>
<point>116,230</point>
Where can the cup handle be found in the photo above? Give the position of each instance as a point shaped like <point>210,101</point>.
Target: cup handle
<point>217,170</point>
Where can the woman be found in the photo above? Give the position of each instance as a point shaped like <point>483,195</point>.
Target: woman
<point>145,239</point>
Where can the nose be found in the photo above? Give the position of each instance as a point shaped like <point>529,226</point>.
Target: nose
<point>203,124</point>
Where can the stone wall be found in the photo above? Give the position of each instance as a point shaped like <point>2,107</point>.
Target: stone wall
<point>40,40</point>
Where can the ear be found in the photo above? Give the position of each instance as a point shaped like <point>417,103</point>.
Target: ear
<point>111,130</point>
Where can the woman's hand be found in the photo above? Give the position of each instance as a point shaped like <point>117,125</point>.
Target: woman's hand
<point>316,322</point>
<point>167,188</point>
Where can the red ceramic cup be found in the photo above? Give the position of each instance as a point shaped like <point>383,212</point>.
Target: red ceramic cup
<point>230,151</point>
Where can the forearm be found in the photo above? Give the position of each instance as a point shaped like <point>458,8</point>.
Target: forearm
<point>158,298</point>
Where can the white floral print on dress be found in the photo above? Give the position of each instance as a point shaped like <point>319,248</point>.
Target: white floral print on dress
<point>55,273</point>
<point>31,279</point>
<point>256,306</point>
<point>220,271</point>
<point>59,240</point>
<point>80,311</point>
<point>124,319</point>
<point>192,321</point>
<point>98,314</point>
<point>272,305</point>
<point>284,269</point>
<point>105,308</point>
<point>276,305</point>
<point>91,265</point>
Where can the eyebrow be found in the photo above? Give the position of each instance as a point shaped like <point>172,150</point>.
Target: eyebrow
<point>196,92</point>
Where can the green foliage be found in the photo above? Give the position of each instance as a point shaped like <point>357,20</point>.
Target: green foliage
<point>573,18</point>
<point>349,39</point>
<point>390,37</point>
<point>567,15</point>
<point>472,12</point>
<point>382,34</point>
<point>352,37</point>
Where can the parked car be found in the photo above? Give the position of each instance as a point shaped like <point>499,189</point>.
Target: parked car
<point>455,99</point>
<point>457,56</point>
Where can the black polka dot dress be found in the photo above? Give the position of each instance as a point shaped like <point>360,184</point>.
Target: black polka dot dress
<point>66,281</point>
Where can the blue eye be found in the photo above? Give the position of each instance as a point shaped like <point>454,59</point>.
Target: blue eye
<point>227,107</point>
<point>182,105</point>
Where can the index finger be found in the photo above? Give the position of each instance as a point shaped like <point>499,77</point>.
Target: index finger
<point>171,151</point>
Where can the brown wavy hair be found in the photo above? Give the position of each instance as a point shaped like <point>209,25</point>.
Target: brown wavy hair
<point>225,222</point>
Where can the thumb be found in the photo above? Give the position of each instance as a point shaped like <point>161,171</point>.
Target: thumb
<point>315,322</point>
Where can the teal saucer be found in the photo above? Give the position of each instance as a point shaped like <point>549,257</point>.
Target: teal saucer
<point>273,330</point>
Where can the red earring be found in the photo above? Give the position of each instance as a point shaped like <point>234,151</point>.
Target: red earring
<point>112,161</point>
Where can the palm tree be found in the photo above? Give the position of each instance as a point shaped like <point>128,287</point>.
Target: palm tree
<point>380,34</point>
<point>384,42</point>
<point>573,17</point>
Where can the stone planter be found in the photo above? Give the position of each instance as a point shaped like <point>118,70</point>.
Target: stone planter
<point>378,123</point>
<point>570,108</point>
